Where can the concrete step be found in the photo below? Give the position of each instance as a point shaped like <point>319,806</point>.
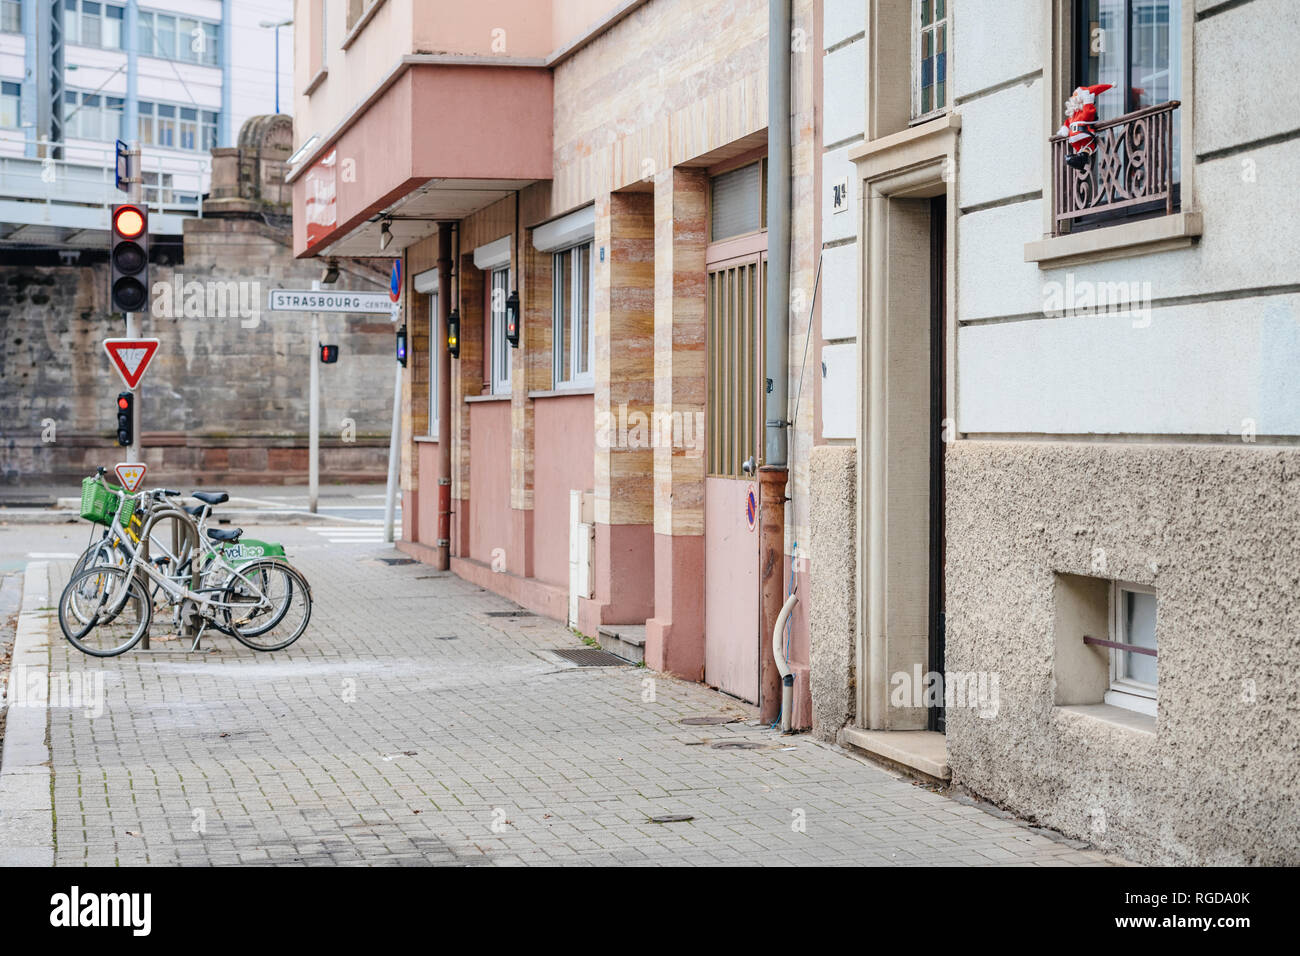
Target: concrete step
<point>624,640</point>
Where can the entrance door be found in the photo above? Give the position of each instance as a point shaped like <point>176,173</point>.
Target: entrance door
<point>734,344</point>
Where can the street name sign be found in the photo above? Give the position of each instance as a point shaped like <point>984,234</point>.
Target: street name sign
<point>131,357</point>
<point>290,300</point>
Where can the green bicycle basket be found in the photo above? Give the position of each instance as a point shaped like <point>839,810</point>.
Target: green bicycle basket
<point>99,501</point>
<point>126,509</point>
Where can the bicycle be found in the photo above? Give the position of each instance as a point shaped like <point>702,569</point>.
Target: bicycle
<point>244,588</point>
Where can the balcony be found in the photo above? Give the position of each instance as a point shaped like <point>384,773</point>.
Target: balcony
<point>1133,166</point>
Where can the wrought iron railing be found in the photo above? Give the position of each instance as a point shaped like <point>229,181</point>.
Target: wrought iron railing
<point>1133,165</point>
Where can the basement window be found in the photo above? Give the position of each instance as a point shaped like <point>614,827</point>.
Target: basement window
<point>1133,676</point>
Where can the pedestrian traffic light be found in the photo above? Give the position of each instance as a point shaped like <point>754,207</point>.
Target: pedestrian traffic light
<point>126,418</point>
<point>453,334</point>
<point>401,346</point>
<point>129,258</point>
<point>329,354</point>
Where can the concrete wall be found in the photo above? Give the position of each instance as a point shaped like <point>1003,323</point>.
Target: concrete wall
<point>1213,530</point>
<point>220,403</point>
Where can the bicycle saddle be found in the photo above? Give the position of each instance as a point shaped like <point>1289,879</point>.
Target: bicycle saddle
<point>225,534</point>
<point>195,510</point>
<point>211,497</point>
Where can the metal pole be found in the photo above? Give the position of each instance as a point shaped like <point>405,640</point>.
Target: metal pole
<point>277,69</point>
<point>394,455</point>
<point>313,427</point>
<point>136,195</point>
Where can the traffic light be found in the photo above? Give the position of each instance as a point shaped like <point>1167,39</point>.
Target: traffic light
<point>401,346</point>
<point>126,418</point>
<point>453,334</point>
<point>129,258</point>
<point>329,354</point>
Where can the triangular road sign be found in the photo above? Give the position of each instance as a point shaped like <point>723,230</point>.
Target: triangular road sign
<point>131,357</point>
<point>131,474</point>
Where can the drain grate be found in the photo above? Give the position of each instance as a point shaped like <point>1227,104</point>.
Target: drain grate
<point>587,657</point>
<point>398,560</point>
<point>739,745</point>
<point>519,613</point>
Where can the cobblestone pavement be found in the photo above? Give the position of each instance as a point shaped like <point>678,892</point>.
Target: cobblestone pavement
<point>409,726</point>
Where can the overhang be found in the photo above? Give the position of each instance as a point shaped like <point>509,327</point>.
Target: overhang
<point>440,142</point>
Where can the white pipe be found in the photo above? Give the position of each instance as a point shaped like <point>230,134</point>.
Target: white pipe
<point>787,676</point>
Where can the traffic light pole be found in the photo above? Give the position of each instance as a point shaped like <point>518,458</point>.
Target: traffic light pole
<point>136,194</point>
<point>313,439</point>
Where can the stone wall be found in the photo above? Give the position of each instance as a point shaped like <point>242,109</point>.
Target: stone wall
<point>225,400</point>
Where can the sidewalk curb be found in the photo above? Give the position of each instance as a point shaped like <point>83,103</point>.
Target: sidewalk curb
<point>12,516</point>
<point>26,807</point>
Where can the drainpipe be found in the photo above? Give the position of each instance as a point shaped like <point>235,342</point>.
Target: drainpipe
<point>778,654</point>
<point>772,475</point>
<point>443,559</point>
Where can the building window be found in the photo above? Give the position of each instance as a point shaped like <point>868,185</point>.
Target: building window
<point>571,311</point>
<point>170,37</point>
<point>498,292</point>
<point>435,345</point>
<point>929,58</point>
<point>91,116</point>
<point>1132,672</point>
<point>11,105</point>
<point>738,202</point>
<point>11,16</point>
<point>93,23</point>
<point>1134,47</point>
<point>177,127</point>
<point>357,9</point>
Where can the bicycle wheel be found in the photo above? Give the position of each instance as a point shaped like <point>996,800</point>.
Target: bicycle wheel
<point>268,605</point>
<point>103,611</point>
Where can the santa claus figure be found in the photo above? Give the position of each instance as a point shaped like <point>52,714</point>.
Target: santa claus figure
<point>1080,119</point>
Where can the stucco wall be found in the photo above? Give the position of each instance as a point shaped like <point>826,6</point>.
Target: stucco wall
<point>564,455</point>
<point>833,615</point>
<point>489,480</point>
<point>1213,530</point>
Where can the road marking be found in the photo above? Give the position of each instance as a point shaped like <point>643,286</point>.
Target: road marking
<point>363,535</point>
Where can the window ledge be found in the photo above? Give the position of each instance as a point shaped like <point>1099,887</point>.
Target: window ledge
<point>487,398</point>
<point>1116,242</point>
<point>366,16</point>
<point>316,81</point>
<point>563,392</point>
<point>430,439</point>
<point>1120,717</point>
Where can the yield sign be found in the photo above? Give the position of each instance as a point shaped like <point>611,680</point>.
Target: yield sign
<point>131,357</point>
<point>130,474</point>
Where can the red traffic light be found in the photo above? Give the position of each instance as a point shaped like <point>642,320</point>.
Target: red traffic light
<point>123,402</point>
<point>329,354</point>
<point>128,222</point>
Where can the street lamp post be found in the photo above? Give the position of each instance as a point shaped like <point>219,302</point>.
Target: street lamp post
<point>272,24</point>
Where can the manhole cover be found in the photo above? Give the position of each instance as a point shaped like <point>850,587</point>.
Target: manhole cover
<point>587,657</point>
<point>673,818</point>
<point>519,613</point>
<point>398,560</point>
<point>705,721</point>
<point>738,745</point>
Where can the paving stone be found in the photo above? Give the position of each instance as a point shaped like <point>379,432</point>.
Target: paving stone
<point>333,744</point>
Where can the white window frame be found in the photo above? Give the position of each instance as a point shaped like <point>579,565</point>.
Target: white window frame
<point>500,346</point>
<point>1124,691</point>
<point>918,36</point>
<point>581,327</point>
<point>435,343</point>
